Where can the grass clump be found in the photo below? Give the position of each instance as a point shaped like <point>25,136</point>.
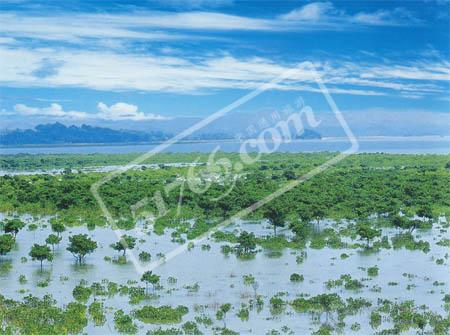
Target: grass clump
<point>161,315</point>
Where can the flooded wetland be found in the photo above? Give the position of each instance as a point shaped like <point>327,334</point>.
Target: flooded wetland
<point>319,261</point>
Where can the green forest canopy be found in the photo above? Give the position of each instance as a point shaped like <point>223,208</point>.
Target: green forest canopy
<point>357,187</point>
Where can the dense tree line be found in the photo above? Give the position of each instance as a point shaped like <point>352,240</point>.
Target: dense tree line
<point>358,187</point>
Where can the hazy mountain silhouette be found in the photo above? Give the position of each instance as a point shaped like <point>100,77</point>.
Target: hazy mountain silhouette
<point>58,133</point>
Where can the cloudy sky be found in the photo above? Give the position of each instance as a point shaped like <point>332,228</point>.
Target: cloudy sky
<point>153,60</point>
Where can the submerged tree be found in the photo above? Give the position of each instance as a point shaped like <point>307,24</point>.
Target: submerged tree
<point>318,211</point>
<point>425,212</point>
<point>249,280</point>
<point>275,215</point>
<point>81,245</point>
<point>301,229</point>
<point>53,239</point>
<point>6,243</point>
<point>366,232</point>
<point>58,228</point>
<point>150,278</point>
<point>41,253</point>
<point>403,222</point>
<point>329,303</point>
<point>222,313</point>
<point>126,242</point>
<point>399,221</point>
<point>13,226</point>
<point>247,243</point>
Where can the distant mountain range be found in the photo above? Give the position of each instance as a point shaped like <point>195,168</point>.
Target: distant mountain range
<point>243,124</point>
<point>238,124</point>
<point>58,133</point>
<point>309,134</point>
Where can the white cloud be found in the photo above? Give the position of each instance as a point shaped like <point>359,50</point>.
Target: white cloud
<point>76,27</point>
<point>79,28</point>
<point>149,73</point>
<point>310,12</point>
<point>420,71</point>
<point>398,16</point>
<point>376,18</point>
<point>323,15</point>
<point>115,112</point>
<point>124,111</point>
<point>54,110</point>
<point>158,25</point>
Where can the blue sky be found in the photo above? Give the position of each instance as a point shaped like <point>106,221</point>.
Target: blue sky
<point>87,61</point>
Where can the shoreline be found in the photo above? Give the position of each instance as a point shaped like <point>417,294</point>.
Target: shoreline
<point>323,139</point>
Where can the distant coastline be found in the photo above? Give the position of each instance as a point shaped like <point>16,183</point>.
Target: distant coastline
<point>232,140</point>
<point>393,138</point>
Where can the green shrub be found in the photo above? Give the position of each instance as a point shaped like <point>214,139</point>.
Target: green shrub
<point>161,315</point>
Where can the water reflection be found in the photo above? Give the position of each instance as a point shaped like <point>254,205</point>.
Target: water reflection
<point>206,278</point>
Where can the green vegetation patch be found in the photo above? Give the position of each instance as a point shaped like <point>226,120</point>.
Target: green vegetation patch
<point>161,315</point>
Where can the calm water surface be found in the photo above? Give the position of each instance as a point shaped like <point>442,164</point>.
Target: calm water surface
<point>220,277</point>
<point>389,145</point>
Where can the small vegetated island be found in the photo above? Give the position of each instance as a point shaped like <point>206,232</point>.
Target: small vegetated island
<point>361,247</point>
